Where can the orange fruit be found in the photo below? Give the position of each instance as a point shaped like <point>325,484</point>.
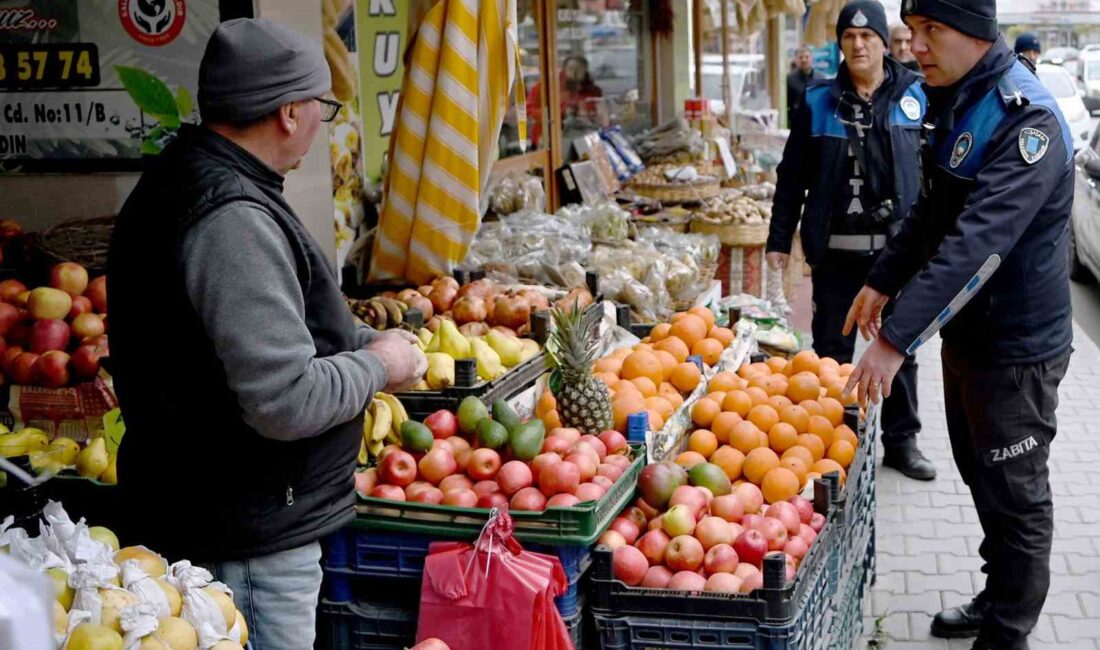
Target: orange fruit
<point>763,416</point>
<point>723,424</point>
<point>777,364</point>
<point>645,386</point>
<point>643,347</point>
<point>737,401</point>
<point>796,416</point>
<point>812,407</point>
<point>621,353</point>
<point>656,420</point>
<point>782,437</point>
<point>704,411</point>
<point>551,421</point>
<point>659,332</point>
<point>835,390</point>
<point>723,335</point>
<point>729,460</point>
<point>689,459</point>
<point>678,315</point>
<point>669,392</point>
<point>759,462</point>
<point>661,405</point>
<point>609,364</point>
<point>779,484</point>
<point>674,346</point>
<point>826,465</point>
<point>709,349</point>
<point>763,438</point>
<point>627,386</point>
<point>643,364</point>
<point>715,396</point>
<point>779,402</point>
<point>690,329</point>
<point>801,453</point>
<point>821,428</point>
<point>623,406</point>
<point>828,364</point>
<point>703,442</point>
<point>608,378</point>
<point>775,385</point>
<point>668,363</point>
<point>796,465</point>
<point>834,410</point>
<point>686,377</point>
<point>744,436</point>
<point>814,444</point>
<point>757,395</point>
<point>705,313</point>
<point>803,386</point>
<point>806,360</point>
<point>842,452</point>
<point>844,432</point>
<point>723,381</point>
<point>845,369</point>
<point>546,403</point>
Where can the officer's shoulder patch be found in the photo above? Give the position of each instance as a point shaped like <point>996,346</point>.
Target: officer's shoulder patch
<point>1033,145</point>
<point>911,107</point>
<point>961,149</point>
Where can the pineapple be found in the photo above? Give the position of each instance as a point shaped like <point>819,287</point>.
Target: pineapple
<point>584,402</point>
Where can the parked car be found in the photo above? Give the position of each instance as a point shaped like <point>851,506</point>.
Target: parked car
<point>1084,242</point>
<point>1067,57</point>
<point>1061,84</point>
<point>1090,71</point>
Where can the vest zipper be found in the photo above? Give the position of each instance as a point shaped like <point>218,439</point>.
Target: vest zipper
<point>289,495</point>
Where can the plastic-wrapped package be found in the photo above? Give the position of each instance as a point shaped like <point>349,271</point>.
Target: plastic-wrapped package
<point>604,222</point>
<point>622,146</point>
<point>528,245</point>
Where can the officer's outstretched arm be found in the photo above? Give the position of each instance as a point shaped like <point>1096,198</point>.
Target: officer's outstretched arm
<point>1027,159</point>
<point>903,255</point>
<point>793,180</point>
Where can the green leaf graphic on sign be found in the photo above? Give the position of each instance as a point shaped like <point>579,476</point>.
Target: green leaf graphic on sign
<point>183,101</point>
<point>149,93</point>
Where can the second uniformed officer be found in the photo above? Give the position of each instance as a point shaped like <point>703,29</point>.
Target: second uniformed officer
<point>984,255</point>
<point>849,173</point>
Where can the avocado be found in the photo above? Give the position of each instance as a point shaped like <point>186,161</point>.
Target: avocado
<point>471,411</point>
<point>526,439</point>
<point>416,437</point>
<point>491,434</point>
<point>505,415</point>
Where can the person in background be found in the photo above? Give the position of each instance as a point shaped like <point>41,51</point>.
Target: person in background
<point>242,440</point>
<point>849,173</point>
<point>1028,47</point>
<point>798,78</point>
<point>981,260</point>
<point>900,38</point>
<point>579,97</point>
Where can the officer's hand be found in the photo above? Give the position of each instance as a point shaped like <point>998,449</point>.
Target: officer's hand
<point>777,260</point>
<point>866,311</point>
<point>875,373</point>
<point>404,362</point>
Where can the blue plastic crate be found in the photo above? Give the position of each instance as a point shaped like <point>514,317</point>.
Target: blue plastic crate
<point>365,626</point>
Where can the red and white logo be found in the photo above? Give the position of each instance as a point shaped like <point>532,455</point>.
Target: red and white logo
<point>152,22</point>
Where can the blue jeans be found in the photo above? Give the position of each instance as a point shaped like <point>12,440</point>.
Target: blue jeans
<point>277,594</point>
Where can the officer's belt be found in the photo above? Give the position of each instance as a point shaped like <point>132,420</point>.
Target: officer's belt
<point>859,243</point>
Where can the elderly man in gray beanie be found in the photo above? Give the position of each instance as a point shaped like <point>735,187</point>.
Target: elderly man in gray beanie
<point>242,441</point>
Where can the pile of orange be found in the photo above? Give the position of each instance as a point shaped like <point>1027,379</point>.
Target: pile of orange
<point>777,424</point>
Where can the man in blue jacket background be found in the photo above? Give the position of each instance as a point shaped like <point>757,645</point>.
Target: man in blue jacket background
<point>849,173</point>
<point>983,255</point>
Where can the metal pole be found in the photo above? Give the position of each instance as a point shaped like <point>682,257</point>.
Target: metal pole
<point>727,82</point>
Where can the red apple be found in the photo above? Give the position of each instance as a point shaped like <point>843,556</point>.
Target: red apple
<point>569,435</point>
<point>9,317</point>
<point>69,277</point>
<point>736,529</point>
<point>597,444</point>
<point>88,325</point>
<point>589,491</point>
<point>10,290</point>
<point>45,303</point>
<point>656,577</point>
<point>52,369</point>
<point>431,644</point>
<point>483,464</point>
<point>797,548</point>
<point>542,461</point>
<point>584,463</point>
<point>628,529</point>
<point>751,546</point>
<point>691,497</point>
<point>786,513</point>
<point>687,581</point>
<point>391,492</point>
<point>774,531</point>
<point>85,360</point>
<point>437,465</point>
<point>750,521</point>
<point>807,534</point>
<point>649,511</point>
<point>614,442</point>
<point>513,477</point>
<point>712,531</point>
<point>817,522</point>
<point>629,565</point>
<point>752,582</point>
<point>458,443</point>
<point>441,443</point>
<point>49,335</point>
<point>415,488</point>
<point>602,481</point>
<point>720,558</point>
<point>612,539</point>
<point>559,478</point>
<point>81,305</point>
<point>8,356</point>
<point>460,498</point>
<point>582,447</point>
<point>679,520</point>
<point>804,506</point>
<point>481,488</point>
<point>657,523</point>
<point>612,472</point>
<point>97,293</point>
<point>494,500</point>
<point>462,458</point>
<point>618,460</point>
<point>751,497</point>
<point>684,553</point>
<point>555,445</point>
<point>562,501</point>
<point>387,450</point>
<point>20,370</point>
<point>429,494</point>
<point>454,482</point>
<point>635,514</point>
<point>366,480</point>
<point>723,583</point>
<point>398,468</point>
<point>728,507</point>
<point>442,423</point>
<point>654,544</point>
<point>529,499</point>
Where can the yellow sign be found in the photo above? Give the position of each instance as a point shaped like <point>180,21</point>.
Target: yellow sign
<point>381,35</point>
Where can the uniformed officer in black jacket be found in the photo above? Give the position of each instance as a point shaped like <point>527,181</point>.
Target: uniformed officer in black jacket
<point>983,254</point>
<point>849,173</point>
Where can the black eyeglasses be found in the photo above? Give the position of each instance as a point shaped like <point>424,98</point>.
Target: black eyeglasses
<point>331,109</point>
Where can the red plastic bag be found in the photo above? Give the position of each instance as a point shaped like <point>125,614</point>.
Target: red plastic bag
<point>492,594</point>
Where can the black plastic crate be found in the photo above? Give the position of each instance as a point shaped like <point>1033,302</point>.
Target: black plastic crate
<point>847,627</point>
<point>365,626</point>
<point>651,633</point>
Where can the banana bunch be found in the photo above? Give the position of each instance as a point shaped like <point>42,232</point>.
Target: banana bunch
<point>381,425</point>
<point>379,313</point>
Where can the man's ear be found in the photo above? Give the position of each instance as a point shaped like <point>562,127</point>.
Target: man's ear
<point>288,117</point>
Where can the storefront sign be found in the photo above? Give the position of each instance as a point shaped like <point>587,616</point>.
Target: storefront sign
<point>91,86</point>
<point>382,28</point>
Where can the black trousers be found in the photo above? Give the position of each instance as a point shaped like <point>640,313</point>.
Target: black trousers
<point>836,281</point>
<point>1001,422</point>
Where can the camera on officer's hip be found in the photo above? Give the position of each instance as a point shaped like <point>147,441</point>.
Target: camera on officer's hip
<point>878,217</point>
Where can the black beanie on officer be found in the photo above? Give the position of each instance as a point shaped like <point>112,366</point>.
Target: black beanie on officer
<point>977,18</point>
<point>867,14</point>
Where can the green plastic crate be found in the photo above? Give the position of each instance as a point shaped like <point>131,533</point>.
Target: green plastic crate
<point>579,525</point>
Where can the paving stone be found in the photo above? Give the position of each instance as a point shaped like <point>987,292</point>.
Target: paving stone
<point>1059,565</point>
<point>951,563</point>
<point>1044,630</point>
<point>920,582</point>
<point>944,500</point>
<point>1069,630</point>
<point>1063,604</point>
<point>920,626</point>
<point>913,513</point>
<point>922,563</point>
<point>1091,604</point>
<point>954,599</point>
<point>928,602</point>
<point>1081,564</point>
<point>1089,583</point>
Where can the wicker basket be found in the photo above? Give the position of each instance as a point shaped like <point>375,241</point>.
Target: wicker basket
<point>737,235</point>
<point>84,241</point>
<point>664,221</point>
<point>679,192</point>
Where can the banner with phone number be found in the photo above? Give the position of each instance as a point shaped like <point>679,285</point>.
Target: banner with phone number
<point>92,86</point>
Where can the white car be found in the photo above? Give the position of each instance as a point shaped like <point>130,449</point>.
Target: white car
<point>1060,84</point>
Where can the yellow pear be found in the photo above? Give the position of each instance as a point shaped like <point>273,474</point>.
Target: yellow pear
<point>105,535</point>
<point>224,645</point>
<point>243,627</point>
<point>151,563</point>
<point>114,601</point>
<point>452,342</point>
<point>489,366</point>
<point>65,450</point>
<point>92,461</point>
<point>61,589</point>
<point>89,636</point>
<point>225,603</point>
<point>507,347</point>
<point>175,603</point>
<point>110,475</point>
<point>529,348</point>
<point>27,441</point>
<point>172,634</point>
<point>441,371</point>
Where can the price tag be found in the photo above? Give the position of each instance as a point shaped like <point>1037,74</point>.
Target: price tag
<point>728,163</point>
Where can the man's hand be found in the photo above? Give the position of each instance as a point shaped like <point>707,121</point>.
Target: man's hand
<point>866,311</point>
<point>875,373</point>
<point>404,362</point>
<point>777,260</point>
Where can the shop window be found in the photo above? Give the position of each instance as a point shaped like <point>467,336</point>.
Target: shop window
<point>748,77</point>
